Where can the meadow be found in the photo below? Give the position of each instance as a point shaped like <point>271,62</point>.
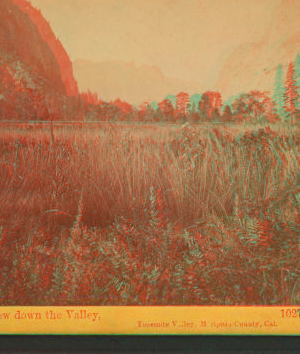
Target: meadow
<point>149,215</point>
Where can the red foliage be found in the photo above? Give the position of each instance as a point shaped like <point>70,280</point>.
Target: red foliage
<point>291,92</point>
<point>125,108</point>
<point>254,104</point>
<point>209,102</point>
<point>89,97</point>
<point>266,234</point>
<point>182,102</point>
<point>167,108</point>
<point>215,100</point>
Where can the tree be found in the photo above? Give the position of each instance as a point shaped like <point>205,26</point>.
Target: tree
<point>182,101</point>
<point>209,101</point>
<point>240,108</point>
<point>254,106</point>
<point>215,115</point>
<point>278,94</point>
<point>215,100</point>
<point>291,93</point>
<point>204,107</point>
<point>125,109</point>
<point>297,76</point>
<point>194,116</point>
<point>172,99</point>
<point>106,112</point>
<point>227,114</point>
<point>194,100</point>
<point>167,109</point>
<point>146,112</point>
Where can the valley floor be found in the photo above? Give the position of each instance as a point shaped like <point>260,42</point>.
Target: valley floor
<point>149,215</point>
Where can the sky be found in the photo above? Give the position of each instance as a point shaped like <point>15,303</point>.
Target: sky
<point>184,38</point>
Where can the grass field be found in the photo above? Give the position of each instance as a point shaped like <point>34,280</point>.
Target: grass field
<point>129,215</point>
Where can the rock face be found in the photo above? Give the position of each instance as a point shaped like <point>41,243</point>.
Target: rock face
<point>128,81</point>
<point>31,83</point>
<point>21,40</point>
<point>252,66</point>
<point>66,69</point>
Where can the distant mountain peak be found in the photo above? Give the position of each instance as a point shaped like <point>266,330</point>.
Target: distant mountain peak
<point>131,82</point>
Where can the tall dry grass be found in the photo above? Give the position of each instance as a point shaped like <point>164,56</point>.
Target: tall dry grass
<point>149,215</point>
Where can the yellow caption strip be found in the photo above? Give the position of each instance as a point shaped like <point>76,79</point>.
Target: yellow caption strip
<point>150,320</point>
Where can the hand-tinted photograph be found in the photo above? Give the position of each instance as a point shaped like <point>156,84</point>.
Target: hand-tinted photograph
<point>149,153</point>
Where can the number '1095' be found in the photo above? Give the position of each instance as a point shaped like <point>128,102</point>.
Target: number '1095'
<point>290,313</point>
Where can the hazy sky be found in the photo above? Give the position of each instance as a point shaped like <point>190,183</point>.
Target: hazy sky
<point>184,38</point>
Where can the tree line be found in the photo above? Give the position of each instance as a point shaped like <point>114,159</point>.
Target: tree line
<point>286,95</point>
<point>251,107</point>
<point>19,101</point>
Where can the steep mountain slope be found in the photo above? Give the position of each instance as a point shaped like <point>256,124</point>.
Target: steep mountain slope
<point>20,38</point>
<point>54,44</point>
<point>128,81</point>
<point>252,66</point>
<point>31,85</point>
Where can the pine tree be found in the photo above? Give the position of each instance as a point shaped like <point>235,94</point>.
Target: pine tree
<point>278,94</point>
<point>291,93</point>
<point>227,114</point>
<point>204,107</point>
<point>297,75</point>
<point>182,105</point>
